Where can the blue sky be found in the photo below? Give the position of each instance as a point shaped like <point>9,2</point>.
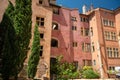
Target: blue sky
<point>108,4</point>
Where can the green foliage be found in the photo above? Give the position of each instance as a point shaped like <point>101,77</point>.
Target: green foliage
<point>88,73</point>
<point>64,70</point>
<point>87,68</point>
<point>16,33</point>
<point>22,25</point>
<point>9,51</point>
<point>112,72</point>
<point>34,57</point>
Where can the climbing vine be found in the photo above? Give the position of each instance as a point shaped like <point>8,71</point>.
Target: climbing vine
<point>34,57</point>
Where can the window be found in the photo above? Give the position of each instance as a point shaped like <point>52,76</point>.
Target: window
<point>41,36</point>
<point>105,34</point>
<point>40,21</point>
<point>91,31</point>
<point>112,52</point>
<point>86,31</point>
<point>74,44</point>
<point>82,46</point>
<point>41,50</point>
<point>109,52</point>
<point>87,63</point>
<point>73,18</point>
<point>84,19</point>
<point>107,22</point>
<point>86,47</point>
<point>56,11</point>
<point>116,53</point>
<point>110,35</point>
<point>114,36</point>
<point>112,24</point>
<point>93,48</point>
<point>54,26</point>
<point>74,28</point>
<point>111,68</point>
<point>54,43</point>
<point>94,62</point>
<point>81,19</point>
<point>76,64</point>
<point>82,31</point>
<point>40,1</point>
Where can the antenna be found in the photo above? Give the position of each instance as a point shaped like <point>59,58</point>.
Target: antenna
<point>91,7</point>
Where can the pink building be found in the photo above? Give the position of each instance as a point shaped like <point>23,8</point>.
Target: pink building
<point>88,39</point>
<point>67,38</point>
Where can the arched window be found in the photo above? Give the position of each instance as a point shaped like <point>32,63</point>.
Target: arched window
<point>54,43</point>
<point>54,26</point>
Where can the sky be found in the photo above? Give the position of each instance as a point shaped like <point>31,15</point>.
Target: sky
<point>108,4</point>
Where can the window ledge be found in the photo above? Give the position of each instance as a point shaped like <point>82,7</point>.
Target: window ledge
<point>113,57</point>
<point>41,27</point>
<point>109,26</point>
<point>42,39</point>
<point>112,40</point>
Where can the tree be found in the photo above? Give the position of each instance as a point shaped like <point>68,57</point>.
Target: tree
<point>22,25</point>
<point>88,73</point>
<point>64,70</point>
<point>34,57</point>
<point>16,34</point>
<point>9,53</point>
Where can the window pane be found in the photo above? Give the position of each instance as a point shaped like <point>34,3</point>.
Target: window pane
<point>54,43</point>
<point>41,35</point>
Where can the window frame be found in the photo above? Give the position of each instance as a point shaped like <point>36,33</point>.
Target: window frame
<point>56,43</point>
<point>74,44</point>
<point>41,50</point>
<point>57,25</point>
<point>40,21</point>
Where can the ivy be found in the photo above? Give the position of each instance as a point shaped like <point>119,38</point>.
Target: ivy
<point>34,57</point>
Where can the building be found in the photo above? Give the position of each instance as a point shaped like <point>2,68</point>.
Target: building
<point>89,39</point>
<point>105,55</point>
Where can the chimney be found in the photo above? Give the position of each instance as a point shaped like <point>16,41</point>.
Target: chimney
<point>84,9</point>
